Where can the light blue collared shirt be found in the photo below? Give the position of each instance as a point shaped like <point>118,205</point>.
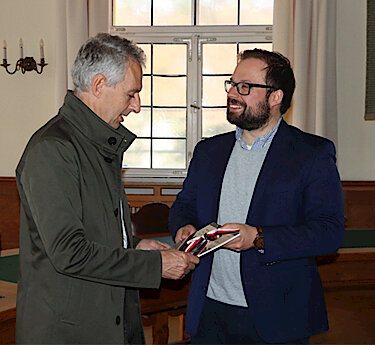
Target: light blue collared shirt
<point>259,142</point>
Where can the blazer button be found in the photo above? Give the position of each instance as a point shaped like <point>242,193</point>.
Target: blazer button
<point>108,160</point>
<point>116,212</point>
<point>112,141</point>
<point>118,320</point>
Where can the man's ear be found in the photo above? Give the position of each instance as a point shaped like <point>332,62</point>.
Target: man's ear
<point>97,84</point>
<point>276,97</point>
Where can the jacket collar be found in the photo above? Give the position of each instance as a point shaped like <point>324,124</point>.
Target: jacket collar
<point>100,133</point>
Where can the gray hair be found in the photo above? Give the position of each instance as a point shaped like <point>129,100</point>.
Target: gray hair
<point>105,54</point>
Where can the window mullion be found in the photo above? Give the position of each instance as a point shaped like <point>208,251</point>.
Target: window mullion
<point>193,113</point>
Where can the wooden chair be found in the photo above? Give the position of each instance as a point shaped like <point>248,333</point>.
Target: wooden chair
<point>151,221</point>
<point>169,301</point>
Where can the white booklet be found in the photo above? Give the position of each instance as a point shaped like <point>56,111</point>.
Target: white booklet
<point>207,239</point>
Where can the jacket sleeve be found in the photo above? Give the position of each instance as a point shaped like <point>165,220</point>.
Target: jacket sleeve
<point>322,230</point>
<point>50,190</point>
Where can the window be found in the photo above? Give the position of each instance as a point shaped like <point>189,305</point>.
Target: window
<point>191,48</point>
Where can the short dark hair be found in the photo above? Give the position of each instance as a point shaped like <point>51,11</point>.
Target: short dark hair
<point>279,73</point>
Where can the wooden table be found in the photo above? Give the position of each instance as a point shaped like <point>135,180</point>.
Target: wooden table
<point>8,291</point>
<point>157,306</point>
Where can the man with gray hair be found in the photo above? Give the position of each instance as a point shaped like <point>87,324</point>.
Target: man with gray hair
<point>80,266</point>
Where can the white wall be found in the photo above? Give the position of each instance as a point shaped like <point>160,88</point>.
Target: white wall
<point>28,101</point>
<point>356,137</point>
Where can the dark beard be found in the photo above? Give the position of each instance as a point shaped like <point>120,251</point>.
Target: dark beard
<point>250,118</point>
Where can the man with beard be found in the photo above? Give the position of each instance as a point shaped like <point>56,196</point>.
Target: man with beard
<point>280,187</point>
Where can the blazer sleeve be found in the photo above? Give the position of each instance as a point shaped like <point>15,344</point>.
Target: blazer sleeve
<point>322,230</point>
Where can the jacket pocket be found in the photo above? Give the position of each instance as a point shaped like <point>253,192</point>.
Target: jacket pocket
<point>71,306</point>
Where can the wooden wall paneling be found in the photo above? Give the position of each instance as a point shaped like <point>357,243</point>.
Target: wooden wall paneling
<point>9,213</point>
<point>359,204</point>
<point>163,193</point>
<point>349,269</point>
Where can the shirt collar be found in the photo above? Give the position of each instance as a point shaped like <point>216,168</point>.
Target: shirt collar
<point>261,142</point>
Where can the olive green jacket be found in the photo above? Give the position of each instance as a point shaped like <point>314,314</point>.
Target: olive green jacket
<point>74,274</point>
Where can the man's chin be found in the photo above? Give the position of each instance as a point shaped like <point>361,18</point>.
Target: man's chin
<point>233,117</point>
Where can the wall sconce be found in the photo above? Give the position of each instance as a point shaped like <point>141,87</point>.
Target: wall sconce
<point>24,64</point>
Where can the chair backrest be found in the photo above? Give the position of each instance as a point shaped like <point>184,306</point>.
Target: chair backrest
<point>151,220</point>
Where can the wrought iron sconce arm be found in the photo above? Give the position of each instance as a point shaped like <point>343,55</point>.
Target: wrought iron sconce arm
<point>26,64</point>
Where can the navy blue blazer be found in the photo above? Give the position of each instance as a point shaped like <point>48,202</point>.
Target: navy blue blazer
<point>298,201</point>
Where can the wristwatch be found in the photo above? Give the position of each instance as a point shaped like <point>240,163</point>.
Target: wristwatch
<point>259,240</point>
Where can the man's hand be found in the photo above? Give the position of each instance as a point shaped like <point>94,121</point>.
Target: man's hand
<point>246,238</point>
<point>176,264</point>
<point>152,245</point>
<point>184,232</point>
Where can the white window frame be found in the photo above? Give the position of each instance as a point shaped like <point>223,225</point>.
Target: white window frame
<point>194,37</point>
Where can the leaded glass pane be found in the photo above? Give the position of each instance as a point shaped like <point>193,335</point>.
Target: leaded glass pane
<point>131,12</point>
<point>169,59</point>
<point>169,91</point>
<point>169,154</point>
<point>244,46</point>
<point>172,12</point>
<point>169,123</point>
<point>213,92</point>
<point>214,121</point>
<point>147,49</point>
<point>219,58</point>
<point>217,12</point>
<point>138,154</point>
<point>145,94</point>
<point>139,124</point>
<point>256,12</point>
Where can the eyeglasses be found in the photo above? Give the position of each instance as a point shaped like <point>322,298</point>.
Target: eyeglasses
<point>244,88</point>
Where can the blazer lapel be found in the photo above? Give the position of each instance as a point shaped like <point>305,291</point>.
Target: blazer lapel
<point>218,162</point>
<point>280,148</point>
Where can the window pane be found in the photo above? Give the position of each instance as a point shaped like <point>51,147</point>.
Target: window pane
<point>169,154</point>
<point>212,64</point>
<point>169,91</point>
<point>244,46</point>
<point>139,124</point>
<point>172,12</point>
<point>217,12</point>
<point>127,12</point>
<point>145,94</point>
<point>169,59</point>
<point>214,121</point>
<point>138,154</point>
<point>169,123</point>
<point>147,49</point>
<point>256,12</point>
<point>213,92</point>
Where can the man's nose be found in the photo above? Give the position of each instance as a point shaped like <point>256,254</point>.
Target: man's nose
<point>136,103</point>
<point>233,91</point>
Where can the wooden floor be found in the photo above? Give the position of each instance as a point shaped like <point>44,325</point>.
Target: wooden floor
<point>349,287</point>
<point>351,315</point>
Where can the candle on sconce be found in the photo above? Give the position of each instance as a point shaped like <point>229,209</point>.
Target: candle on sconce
<point>21,48</point>
<point>5,50</point>
<point>41,49</point>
